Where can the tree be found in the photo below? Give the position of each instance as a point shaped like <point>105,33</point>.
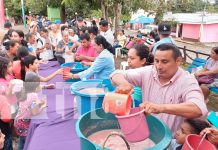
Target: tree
<point>160,11</point>
<point>37,7</point>
<point>104,9</point>
<point>117,5</point>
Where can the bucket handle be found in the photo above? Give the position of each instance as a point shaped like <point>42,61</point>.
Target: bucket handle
<point>118,134</point>
<point>126,133</point>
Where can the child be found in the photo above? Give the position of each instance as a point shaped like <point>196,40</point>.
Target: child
<point>32,64</point>
<point>29,105</point>
<point>46,52</point>
<point>7,100</point>
<point>189,126</point>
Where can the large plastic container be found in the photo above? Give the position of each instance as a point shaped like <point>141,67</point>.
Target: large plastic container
<point>192,143</point>
<point>85,101</point>
<point>98,120</point>
<point>134,126</point>
<point>76,67</point>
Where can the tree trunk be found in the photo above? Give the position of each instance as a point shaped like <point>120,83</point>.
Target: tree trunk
<point>104,9</point>
<point>117,14</point>
<point>63,13</point>
<point>160,11</point>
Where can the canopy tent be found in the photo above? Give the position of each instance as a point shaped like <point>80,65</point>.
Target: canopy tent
<point>142,20</point>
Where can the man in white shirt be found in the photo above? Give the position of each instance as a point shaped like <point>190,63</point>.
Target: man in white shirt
<point>106,32</point>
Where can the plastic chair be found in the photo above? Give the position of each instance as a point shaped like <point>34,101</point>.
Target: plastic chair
<point>117,51</point>
<point>123,65</point>
<point>196,63</point>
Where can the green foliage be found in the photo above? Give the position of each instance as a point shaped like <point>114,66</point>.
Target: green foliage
<point>95,13</point>
<point>185,6</point>
<point>37,7</point>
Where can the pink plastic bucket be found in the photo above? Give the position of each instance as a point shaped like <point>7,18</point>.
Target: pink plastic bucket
<point>134,126</point>
<point>192,141</point>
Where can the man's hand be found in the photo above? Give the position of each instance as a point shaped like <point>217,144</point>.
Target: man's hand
<point>81,57</point>
<point>86,63</point>
<point>212,135</point>
<point>125,88</point>
<point>151,108</point>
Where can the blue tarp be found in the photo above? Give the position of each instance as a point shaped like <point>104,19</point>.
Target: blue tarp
<point>142,20</point>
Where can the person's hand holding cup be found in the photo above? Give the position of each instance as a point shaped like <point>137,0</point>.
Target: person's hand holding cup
<point>66,73</point>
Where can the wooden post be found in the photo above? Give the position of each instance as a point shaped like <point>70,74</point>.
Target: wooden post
<point>184,51</point>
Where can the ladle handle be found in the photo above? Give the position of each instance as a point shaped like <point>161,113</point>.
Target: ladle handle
<point>118,134</point>
<point>202,139</point>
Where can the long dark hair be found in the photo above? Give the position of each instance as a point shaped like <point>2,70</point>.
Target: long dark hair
<point>4,62</point>
<point>215,49</point>
<point>21,53</point>
<point>101,40</point>
<point>143,52</point>
<point>21,34</point>
<point>7,36</point>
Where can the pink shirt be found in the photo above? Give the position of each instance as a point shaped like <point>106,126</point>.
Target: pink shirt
<point>5,110</point>
<point>24,112</point>
<point>4,84</point>
<point>16,68</point>
<point>212,65</point>
<point>87,51</point>
<point>182,88</point>
<point>130,45</point>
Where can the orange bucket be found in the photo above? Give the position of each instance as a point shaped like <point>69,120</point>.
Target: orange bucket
<point>116,103</point>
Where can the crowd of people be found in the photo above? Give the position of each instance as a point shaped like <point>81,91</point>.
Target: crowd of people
<point>168,92</point>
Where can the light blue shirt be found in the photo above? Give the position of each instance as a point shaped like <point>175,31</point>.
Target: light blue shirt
<point>162,41</point>
<point>101,68</point>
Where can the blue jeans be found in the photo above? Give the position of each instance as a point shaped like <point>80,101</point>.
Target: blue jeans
<point>21,142</point>
<point>8,143</point>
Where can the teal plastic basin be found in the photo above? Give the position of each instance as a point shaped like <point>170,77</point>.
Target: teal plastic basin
<point>98,120</point>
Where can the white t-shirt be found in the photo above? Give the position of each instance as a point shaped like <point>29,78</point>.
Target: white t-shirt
<point>47,54</point>
<point>108,36</point>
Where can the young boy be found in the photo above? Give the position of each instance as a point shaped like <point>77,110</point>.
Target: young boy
<point>189,126</point>
<point>32,64</point>
<point>44,45</point>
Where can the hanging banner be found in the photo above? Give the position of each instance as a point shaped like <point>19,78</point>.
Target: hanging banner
<point>2,13</point>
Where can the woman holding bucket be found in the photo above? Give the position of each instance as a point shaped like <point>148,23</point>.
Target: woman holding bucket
<point>103,65</point>
<point>139,56</point>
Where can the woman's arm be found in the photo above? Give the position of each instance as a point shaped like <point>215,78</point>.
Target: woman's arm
<point>207,72</point>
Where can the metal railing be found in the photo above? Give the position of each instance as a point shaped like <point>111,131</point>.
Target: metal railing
<point>186,54</point>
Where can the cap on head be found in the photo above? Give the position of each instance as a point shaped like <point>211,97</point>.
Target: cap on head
<point>164,28</point>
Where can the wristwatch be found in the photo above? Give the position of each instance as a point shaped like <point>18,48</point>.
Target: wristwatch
<point>72,77</point>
